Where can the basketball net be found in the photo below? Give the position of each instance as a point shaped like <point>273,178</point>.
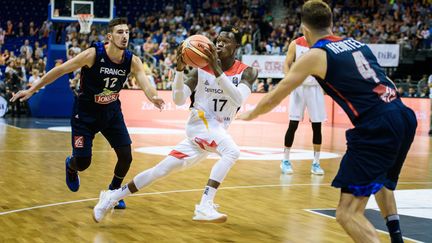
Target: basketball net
<point>85,21</point>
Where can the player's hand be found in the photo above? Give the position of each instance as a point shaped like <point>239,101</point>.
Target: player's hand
<point>213,59</point>
<point>21,95</point>
<point>246,116</point>
<point>180,63</point>
<point>158,102</point>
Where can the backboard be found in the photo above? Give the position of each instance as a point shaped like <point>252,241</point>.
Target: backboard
<point>67,10</point>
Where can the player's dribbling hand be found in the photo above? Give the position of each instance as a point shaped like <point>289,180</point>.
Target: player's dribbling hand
<point>158,102</point>
<point>246,116</point>
<point>21,95</point>
<point>180,63</point>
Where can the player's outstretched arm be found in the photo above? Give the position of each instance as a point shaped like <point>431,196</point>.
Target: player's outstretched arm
<point>312,63</point>
<point>137,70</point>
<point>85,58</point>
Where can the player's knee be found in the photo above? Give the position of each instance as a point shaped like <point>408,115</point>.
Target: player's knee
<point>293,125</point>
<point>124,154</point>
<point>343,215</point>
<point>232,154</point>
<point>317,137</point>
<point>82,163</point>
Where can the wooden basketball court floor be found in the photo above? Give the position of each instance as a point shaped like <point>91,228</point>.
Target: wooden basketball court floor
<point>262,205</point>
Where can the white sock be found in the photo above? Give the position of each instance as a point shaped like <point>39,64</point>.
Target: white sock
<point>286,153</point>
<point>120,193</point>
<point>316,157</point>
<point>208,194</point>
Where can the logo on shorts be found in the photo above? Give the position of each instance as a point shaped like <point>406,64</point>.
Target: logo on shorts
<point>106,97</point>
<point>78,142</point>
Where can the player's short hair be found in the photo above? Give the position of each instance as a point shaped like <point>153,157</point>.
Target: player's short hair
<point>316,14</point>
<point>114,22</point>
<point>236,31</point>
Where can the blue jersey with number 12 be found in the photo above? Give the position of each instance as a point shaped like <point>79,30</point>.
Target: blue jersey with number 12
<point>354,79</point>
<point>100,85</point>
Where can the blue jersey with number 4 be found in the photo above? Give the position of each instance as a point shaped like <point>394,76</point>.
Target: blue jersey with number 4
<point>354,79</point>
<point>100,84</point>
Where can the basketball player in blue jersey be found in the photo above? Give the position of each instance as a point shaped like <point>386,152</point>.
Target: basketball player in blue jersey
<point>104,70</point>
<point>217,91</point>
<point>384,127</point>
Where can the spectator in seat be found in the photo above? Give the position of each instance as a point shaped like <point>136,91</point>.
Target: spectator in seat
<point>412,92</point>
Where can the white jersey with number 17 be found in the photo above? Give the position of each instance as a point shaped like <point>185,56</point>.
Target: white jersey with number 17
<point>208,99</point>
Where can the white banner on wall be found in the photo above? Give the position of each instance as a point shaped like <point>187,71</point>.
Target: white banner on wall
<point>387,54</point>
<point>272,66</point>
<point>268,66</point>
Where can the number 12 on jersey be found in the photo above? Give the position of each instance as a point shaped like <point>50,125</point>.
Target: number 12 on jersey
<point>111,84</point>
<point>216,101</point>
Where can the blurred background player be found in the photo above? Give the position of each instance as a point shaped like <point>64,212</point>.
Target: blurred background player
<point>309,95</point>
<point>384,127</point>
<point>217,91</point>
<point>104,69</point>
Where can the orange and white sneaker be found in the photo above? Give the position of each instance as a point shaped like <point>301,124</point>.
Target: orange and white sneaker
<point>207,213</point>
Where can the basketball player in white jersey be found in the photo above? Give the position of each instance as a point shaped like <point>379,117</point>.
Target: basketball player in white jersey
<point>309,95</point>
<point>217,92</point>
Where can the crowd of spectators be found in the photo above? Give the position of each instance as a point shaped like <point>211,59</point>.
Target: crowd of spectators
<point>20,69</point>
<point>155,35</point>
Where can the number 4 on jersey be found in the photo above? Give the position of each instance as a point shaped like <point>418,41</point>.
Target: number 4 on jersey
<point>364,67</point>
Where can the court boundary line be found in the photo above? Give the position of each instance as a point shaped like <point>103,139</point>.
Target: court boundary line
<point>310,210</point>
<point>182,191</point>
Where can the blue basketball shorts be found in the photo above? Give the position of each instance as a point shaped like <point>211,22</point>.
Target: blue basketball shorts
<point>376,151</point>
<point>85,124</point>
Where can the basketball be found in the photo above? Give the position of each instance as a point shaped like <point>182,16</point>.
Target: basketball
<point>193,51</point>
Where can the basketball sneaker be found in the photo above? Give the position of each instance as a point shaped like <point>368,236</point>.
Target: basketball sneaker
<point>72,177</point>
<point>207,213</point>
<point>103,206</point>
<point>316,169</point>
<point>121,204</point>
<point>286,167</point>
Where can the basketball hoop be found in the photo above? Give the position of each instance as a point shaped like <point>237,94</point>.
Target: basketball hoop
<point>85,21</point>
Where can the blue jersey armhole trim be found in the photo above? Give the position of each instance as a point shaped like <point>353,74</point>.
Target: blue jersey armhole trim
<point>99,48</point>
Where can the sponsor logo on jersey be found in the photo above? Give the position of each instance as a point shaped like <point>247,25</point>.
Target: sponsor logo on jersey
<point>206,82</point>
<point>78,141</point>
<point>106,97</point>
<point>235,81</point>
<point>102,60</point>
<point>212,90</point>
<point>113,71</point>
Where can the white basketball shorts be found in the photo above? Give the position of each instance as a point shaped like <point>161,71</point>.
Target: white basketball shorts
<point>204,136</point>
<point>310,97</point>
